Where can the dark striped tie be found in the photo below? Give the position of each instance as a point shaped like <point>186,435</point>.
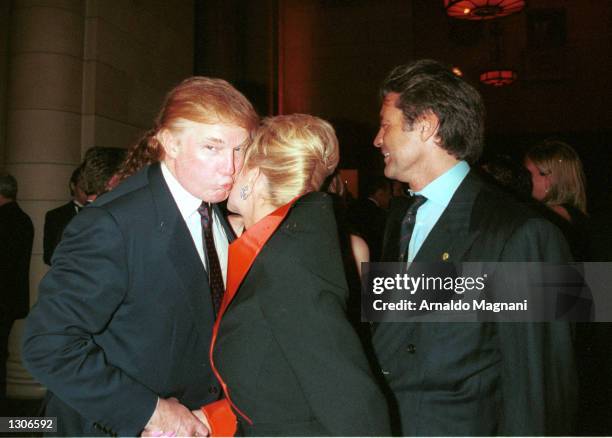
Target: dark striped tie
<point>408,225</point>
<point>215,277</point>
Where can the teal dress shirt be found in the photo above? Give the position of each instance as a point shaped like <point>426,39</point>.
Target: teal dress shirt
<point>438,193</point>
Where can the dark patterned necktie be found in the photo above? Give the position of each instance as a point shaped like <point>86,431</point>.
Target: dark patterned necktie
<point>408,225</point>
<point>215,277</point>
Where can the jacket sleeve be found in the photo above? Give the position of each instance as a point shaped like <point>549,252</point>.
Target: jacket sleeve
<point>538,373</point>
<point>77,299</point>
<point>221,418</point>
<point>309,323</point>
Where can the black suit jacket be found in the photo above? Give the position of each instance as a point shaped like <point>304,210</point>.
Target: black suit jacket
<point>124,315</point>
<point>16,235</point>
<point>480,378</point>
<point>285,348</point>
<point>55,223</point>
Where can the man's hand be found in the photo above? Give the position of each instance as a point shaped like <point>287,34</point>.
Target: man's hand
<point>171,418</point>
<point>200,416</point>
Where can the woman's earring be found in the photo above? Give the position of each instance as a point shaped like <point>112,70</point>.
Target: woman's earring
<point>244,192</point>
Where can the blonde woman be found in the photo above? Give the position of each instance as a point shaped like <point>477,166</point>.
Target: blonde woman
<point>559,182</point>
<point>288,359</point>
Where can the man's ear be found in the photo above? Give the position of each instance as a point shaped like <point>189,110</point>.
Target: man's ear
<point>428,126</point>
<point>168,142</point>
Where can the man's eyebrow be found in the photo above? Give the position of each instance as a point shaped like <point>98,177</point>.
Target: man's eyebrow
<point>214,140</point>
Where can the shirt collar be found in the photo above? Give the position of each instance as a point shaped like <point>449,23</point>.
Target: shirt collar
<point>442,189</point>
<point>186,202</point>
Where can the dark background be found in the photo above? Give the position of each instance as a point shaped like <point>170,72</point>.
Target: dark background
<point>328,57</point>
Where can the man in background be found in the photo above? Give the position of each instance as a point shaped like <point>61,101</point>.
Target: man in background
<point>16,237</point>
<point>91,179</point>
<point>98,170</point>
<point>368,216</point>
<point>57,219</point>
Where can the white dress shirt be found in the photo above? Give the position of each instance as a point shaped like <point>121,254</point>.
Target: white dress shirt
<point>188,206</point>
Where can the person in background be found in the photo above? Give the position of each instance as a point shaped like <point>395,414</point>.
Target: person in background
<point>287,356</point>
<point>99,170</point>
<point>358,248</point>
<point>122,327</point>
<point>399,193</point>
<point>353,248</point>
<point>368,216</point>
<point>559,182</point>
<point>57,219</point>
<point>16,237</point>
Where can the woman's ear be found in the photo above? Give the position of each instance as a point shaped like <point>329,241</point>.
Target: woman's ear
<point>253,175</point>
<point>258,181</point>
<point>547,182</point>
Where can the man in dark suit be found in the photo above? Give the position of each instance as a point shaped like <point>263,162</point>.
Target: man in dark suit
<point>16,236</point>
<point>122,328</point>
<point>464,379</point>
<point>368,216</point>
<point>57,219</point>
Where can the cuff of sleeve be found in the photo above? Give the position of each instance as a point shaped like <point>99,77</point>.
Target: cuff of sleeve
<point>221,418</point>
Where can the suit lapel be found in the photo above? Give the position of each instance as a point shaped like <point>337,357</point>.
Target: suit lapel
<point>451,237</point>
<point>174,235</point>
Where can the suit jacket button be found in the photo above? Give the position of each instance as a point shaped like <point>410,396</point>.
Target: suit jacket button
<point>213,389</point>
<point>411,348</point>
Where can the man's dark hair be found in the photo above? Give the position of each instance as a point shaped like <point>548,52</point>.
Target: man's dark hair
<point>74,180</point>
<point>98,167</point>
<point>429,86</point>
<point>8,186</point>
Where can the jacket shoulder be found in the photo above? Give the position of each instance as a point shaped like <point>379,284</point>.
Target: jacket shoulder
<point>493,205</point>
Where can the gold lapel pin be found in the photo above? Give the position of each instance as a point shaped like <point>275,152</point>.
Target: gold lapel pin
<point>445,256</point>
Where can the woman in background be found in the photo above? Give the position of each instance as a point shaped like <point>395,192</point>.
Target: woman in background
<point>559,182</point>
<point>290,362</point>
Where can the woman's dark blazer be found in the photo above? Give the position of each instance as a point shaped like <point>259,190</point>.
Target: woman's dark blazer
<point>285,348</point>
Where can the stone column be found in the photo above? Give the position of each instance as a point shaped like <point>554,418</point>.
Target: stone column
<point>43,129</point>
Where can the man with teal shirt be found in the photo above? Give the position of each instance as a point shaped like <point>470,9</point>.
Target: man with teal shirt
<point>463,379</point>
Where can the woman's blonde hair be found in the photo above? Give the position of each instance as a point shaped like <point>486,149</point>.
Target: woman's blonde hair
<point>295,152</point>
<point>562,164</point>
<point>198,99</point>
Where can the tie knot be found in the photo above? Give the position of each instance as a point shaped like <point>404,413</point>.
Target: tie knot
<point>204,210</point>
<point>417,201</point>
